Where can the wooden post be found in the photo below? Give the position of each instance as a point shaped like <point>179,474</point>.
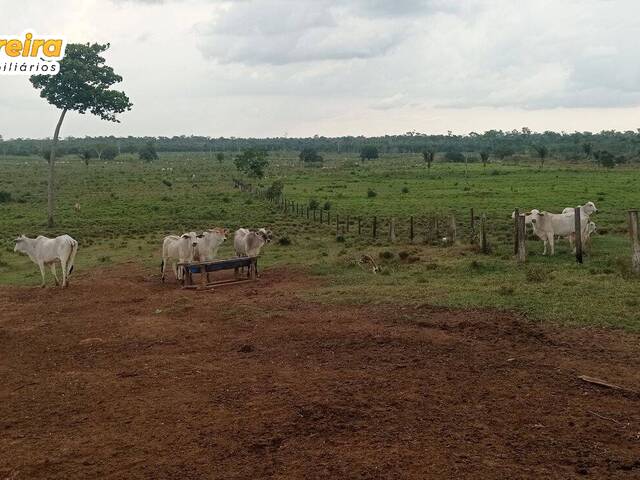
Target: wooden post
<point>578,239</point>
<point>411,228</point>
<point>634,232</point>
<point>516,240</point>
<point>473,228</point>
<point>392,229</point>
<point>348,222</point>
<point>436,228</point>
<point>375,221</point>
<point>337,224</point>
<point>314,214</point>
<point>453,231</point>
<point>328,217</point>
<point>484,245</point>
<point>320,215</point>
<point>521,257</point>
<point>359,226</point>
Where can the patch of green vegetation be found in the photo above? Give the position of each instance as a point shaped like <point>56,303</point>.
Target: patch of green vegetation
<point>126,209</point>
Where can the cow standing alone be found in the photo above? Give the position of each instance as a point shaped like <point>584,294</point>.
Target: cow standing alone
<point>46,251</point>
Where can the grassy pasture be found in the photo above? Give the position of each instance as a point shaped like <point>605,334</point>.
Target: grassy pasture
<point>127,206</point>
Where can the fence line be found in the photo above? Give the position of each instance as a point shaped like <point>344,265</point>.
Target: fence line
<point>431,228</point>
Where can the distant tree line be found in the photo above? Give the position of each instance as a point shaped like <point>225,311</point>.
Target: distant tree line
<point>500,144</point>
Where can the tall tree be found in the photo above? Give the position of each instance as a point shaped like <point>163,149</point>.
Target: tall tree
<point>542,152</point>
<point>82,84</point>
<point>484,156</point>
<point>428,155</point>
<point>252,162</point>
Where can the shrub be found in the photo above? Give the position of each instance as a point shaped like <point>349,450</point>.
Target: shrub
<point>148,152</point>
<point>386,255</point>
<point>405,189</point>
<point>167,182</point>
<point>326,206</point>
<point>403,255</point>
<point>310,155</point>
<point>454,156</point>
<point>313,204</point>
<point>275,190</point>
<point>371,193</point>
<point>284,241</point>
<point>5,197</point>
<point>537,274</point>
<point>368,152</point>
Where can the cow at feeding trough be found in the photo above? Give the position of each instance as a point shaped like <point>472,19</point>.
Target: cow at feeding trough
<point>209,242</point>
<point>45,251</point>
<point>180,249</point>
<point>248,243</point>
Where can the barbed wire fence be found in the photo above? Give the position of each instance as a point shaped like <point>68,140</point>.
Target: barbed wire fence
<point>441,228</point>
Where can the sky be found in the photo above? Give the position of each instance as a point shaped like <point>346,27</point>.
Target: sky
<point>271,68</point>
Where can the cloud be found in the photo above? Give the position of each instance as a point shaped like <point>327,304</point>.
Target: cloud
<point>280,32</point>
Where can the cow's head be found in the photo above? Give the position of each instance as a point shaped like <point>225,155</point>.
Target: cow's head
<point>221,233</point>
<point>266,234</point>
<point>589,208</point>
<point>191,237</point>
<point>20,244</point>
<point>534,215</point>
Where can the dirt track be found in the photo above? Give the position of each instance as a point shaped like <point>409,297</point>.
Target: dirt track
<point>132,379</point>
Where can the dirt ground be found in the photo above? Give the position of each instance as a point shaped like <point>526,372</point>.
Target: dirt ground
<point>120,376</point>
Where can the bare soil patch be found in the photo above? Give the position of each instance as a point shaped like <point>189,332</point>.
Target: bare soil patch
<point>120,376</point>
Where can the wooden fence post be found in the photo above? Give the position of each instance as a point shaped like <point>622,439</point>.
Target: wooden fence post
<point>521,257</point>
<point>411,229</point>
<point>484,244</point>
<point>375,221</point>
<point>308,212</point>
<point>328,217</point>
<point>516,216</point>
<point>348,221</point>
<point>634,232</point>
<point>337,224</point>
<point>320,215</point>
<point>453,231</point>
<point>473,227</point>
<point>392,229</point>
<point>359,226</point>
<point>578,239</point>
<point>314,214</point>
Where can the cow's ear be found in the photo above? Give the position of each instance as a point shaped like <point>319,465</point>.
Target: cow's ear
<point>185,236</point>
<point>200,236</point>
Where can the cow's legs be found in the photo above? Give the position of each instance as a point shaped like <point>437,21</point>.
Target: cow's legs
<point>174,265</point>
<point>552,245</point>
<point>53,271</point>
<point>63,264</point>
<point>41,266</point>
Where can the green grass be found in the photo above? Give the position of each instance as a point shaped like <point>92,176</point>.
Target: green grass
<point>126,209</point>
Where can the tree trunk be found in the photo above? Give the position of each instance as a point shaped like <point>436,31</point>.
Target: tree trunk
<point>52,161</point>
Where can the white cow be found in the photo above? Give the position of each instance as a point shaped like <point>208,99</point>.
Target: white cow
<point>180,249</point>
<point>46,251</point>
<point>248,244</point>
<point>547,225</point>
<point>209,242</point>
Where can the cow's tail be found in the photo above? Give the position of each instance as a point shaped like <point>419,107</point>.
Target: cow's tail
<point>72,256</point>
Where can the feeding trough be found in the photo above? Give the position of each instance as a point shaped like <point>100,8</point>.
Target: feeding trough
<point>204,269</point>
